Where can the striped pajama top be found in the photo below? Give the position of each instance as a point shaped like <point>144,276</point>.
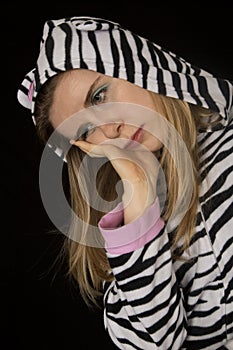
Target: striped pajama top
<point>157,303</point>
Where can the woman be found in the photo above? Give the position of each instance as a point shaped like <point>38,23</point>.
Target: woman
<point>130,110</point>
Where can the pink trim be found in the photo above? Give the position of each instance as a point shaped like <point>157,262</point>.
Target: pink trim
<point>140,242</point>
<point>124,239</point>
<point>31,91</point>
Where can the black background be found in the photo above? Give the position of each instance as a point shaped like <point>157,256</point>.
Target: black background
<point>40,309</point>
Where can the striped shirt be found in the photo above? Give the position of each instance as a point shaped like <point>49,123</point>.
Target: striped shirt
<point>157,303</point>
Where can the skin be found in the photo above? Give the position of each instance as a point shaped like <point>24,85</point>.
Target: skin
<point>136,166</point>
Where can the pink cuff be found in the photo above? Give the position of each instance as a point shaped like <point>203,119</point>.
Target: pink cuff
<point>130,237</point>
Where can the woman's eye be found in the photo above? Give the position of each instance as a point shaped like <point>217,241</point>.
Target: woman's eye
<point>99,95</point>
<point>85,131</point>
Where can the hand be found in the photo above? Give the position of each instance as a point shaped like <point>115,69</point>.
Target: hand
<point>137,168</point>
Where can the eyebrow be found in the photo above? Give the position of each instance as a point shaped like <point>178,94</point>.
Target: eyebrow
<point>92,88</point>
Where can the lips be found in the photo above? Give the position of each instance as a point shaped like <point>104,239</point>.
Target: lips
<point>135,139</point>
<point>137,136</point>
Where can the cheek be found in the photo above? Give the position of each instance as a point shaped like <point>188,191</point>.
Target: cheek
<point>152,142</point>
<point>96,137</point>
<point>129,92</point>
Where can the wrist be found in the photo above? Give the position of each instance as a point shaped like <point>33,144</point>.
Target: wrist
<point>136,201</point>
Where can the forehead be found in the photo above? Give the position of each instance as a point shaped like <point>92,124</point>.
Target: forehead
<point>70,93</point>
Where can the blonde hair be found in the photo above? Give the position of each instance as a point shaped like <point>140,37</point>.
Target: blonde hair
<point>89,265</point>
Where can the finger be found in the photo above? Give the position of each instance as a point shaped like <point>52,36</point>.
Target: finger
<point>100,149</point>
<point>82,144</point>
<point>89,148</point>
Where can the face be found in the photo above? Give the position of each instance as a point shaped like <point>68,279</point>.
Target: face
<point>80,89</point>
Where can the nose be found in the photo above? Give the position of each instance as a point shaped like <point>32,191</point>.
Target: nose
<point>112,130</point>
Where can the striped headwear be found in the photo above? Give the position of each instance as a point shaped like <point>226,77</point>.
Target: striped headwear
<point>104,46</point>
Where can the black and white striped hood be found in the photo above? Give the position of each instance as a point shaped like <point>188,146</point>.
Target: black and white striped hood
<point>106,47</point>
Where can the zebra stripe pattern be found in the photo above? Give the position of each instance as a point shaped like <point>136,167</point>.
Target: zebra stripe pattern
<point>158,303</point>
<point>155,302</point>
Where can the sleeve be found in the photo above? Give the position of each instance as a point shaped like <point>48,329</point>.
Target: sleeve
<point>143,305</point>
<point>120,239</point>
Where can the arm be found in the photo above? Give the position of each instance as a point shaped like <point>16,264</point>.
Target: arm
<point>143,305</point>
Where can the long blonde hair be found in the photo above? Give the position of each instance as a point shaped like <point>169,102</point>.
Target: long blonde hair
<point>88,265</point>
